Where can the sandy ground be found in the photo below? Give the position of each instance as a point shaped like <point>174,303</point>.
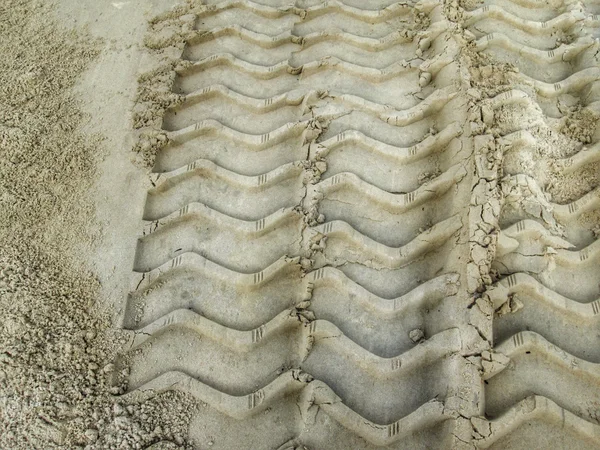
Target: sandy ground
<point>79,130</point>
<point>67,238</point>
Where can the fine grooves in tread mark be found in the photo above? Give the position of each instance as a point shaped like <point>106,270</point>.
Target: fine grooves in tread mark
<point>535,230</point>
<point>429,414</point>
<point>389,283</point>
<point>524,283</point>
<point>204,183</point>
<point>432,104</point>
<point>542,408</point>
<point>371,52</point>
<point>370,73</point>
<point>552,266</point>
<point>347,242</point>
<point>254,228</point>
<point>444,285</point>
<point>580,160</point>
<point>534,4</point>
<point>259,39</point>
<point>526,342</point>
<point>368,15</point>
<point>573,82</point>
<point>567,323</point>
<point>568,381</point>
<point>240,340</point>
<point>563,257</point>
<point>572,210</point>
<point>364,43</point>
<point>319,393</point>
<point>380,324</point>
<point>401,155</point>
<point>228,59</point>
<point>195,281</point>
<point>394,202</point>
<point>197,228</point>
<point>257,104</point>
<point>564,53</point>
<point>560,22</point>
<point>254,142</point>
<point>191,260</point>
<point>247,5</point>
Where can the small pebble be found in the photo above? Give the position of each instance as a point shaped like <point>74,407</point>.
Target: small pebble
<point>416,335</point>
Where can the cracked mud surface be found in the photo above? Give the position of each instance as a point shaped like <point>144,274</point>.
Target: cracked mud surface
<point>314,225</point>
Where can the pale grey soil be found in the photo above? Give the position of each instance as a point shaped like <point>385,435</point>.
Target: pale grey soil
<point>380,237</point>
<point>68,78</point>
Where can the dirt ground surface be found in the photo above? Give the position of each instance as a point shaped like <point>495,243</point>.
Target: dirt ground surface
<point>70,201</point>
<point>224,227</point>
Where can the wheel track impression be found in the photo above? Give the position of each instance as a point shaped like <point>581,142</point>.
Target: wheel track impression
<point>543,289</point>
<point>339,251</point>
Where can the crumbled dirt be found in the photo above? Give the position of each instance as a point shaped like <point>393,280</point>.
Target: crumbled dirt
<point>570,187</point>
<point>581,125</point>
<point>554,139</point>
<point>591,220</point>
<point>491,78</point>
<point>56,344</point>
<point>470,4</point>
<point>166,37</point>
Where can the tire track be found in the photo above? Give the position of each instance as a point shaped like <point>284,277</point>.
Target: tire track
<point>542,368</point>
<point>306,227</point>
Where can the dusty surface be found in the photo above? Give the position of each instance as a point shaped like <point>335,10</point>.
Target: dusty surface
<point>222,227</point>
<point>63,122</point>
